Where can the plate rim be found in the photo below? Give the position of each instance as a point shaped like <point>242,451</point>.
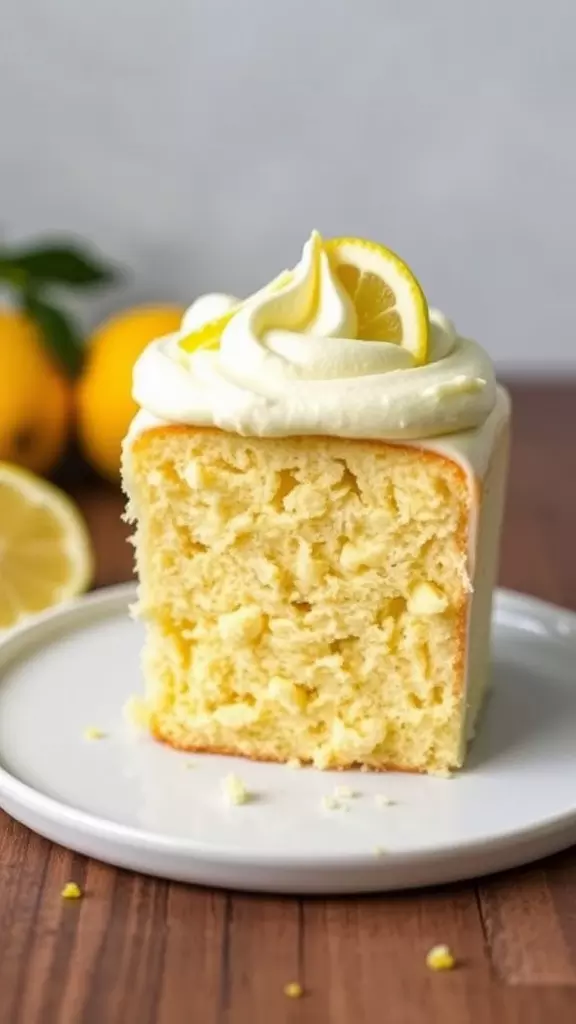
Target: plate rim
<point>49,809</point>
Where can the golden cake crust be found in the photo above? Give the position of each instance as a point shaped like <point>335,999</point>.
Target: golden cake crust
<point>191,748</point>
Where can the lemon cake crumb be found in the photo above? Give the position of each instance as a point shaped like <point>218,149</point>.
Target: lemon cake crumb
<point>190,764</point>
<point>294,762</point>
<point>345,793</point>
<point>71,891</point>
<point>332,803</point>
<point>136,713</point>
<point>93,733</point>
<point>235,791</point>
<point>293,990</point>
<point>379,851</point>
<point>440,958</point>
<point>381,800</point>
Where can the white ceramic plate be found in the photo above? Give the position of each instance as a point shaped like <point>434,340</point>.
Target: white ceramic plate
<point>139,805</point>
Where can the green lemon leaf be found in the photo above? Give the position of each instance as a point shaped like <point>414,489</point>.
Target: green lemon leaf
<point>60,334</point>
<point>55,264</point>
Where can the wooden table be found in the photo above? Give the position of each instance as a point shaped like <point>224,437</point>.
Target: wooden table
<point>140,951</point>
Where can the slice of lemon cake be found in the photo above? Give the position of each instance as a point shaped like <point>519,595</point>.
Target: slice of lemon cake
<point>317,479</point>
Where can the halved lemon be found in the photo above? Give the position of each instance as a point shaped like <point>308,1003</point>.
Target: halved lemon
<point>390,304</point>
<point>45,550</point>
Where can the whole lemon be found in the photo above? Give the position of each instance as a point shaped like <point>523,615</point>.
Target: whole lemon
<point>35,396</point>
<point>105,405</point>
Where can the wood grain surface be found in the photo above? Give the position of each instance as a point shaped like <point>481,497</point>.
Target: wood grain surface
<point>136,950</point>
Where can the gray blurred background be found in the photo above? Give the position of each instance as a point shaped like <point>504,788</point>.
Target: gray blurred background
<point>198,142</point>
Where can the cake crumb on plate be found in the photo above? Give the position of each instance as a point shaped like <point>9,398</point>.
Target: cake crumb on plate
<point>235,791</point>
<point>330,803</point>
<point>136,713</point>
<point>334,803</point>
<point>93,733</point>
<point>345,792</point>
<point>381,800</point>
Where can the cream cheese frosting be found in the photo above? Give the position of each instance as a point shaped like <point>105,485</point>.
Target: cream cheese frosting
<point>289,362</point>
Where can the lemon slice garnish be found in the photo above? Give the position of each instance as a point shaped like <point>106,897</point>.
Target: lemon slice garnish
<point>45,551</point>
<point>208,335</point>
<point>389,302</point>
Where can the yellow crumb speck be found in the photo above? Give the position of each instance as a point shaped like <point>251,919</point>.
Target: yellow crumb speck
<point>235,791</point>
<point>293,990</point>
<point>71,891</point>
<point>137,713</point>
<point>345,792</point>
<point>440,958</point>
<point>381,800</point>
<point>378,851</point>
<point>364,768</point>
<point>190,764</point>
<point>442,773</point>
<point>294,762</point>
<point>332,803</point>
<point>93,733</point>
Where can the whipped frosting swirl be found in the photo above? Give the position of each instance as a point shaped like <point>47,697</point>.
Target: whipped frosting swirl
<point>289,363</point>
